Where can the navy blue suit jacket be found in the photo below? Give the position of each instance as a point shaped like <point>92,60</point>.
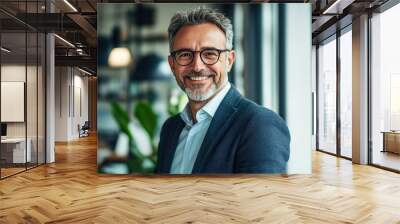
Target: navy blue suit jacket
<point>243,137</point>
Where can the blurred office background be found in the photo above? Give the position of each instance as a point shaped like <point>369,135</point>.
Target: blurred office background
<point>137,91</point>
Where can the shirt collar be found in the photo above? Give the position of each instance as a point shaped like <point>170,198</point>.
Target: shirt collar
<point>207,110</point>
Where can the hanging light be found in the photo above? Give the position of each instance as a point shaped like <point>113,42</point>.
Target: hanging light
<point>70,5</point>
<point>5,50</point>
<point>65,41</point>
<point>84,71</point>
<point>120,56</point>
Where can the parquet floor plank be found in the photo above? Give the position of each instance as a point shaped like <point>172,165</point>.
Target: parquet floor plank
<point>70,191</point>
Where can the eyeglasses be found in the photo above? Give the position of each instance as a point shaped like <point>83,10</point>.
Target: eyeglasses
<point>209,56</point>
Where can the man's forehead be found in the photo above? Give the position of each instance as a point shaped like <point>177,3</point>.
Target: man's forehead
<point>205,34</point>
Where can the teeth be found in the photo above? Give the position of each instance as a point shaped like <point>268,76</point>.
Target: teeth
<point>197,78</point>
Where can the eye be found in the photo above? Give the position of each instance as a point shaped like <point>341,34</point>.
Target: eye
<point>210,53</point>
<point>185,54</point>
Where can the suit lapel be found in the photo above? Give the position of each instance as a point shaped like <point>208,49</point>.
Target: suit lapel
<point>174,137</point>
<point>219,124</point>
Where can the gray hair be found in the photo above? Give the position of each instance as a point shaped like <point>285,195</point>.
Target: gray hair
<point>199,16</point>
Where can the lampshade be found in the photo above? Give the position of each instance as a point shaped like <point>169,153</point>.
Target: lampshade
<point>119,57</point>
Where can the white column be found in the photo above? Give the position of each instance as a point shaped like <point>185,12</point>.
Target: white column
<point>50,97</point>
<point>360,90</point>
<point>50,93</point>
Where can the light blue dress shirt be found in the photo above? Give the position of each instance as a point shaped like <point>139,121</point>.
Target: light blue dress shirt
<point>192,135</point>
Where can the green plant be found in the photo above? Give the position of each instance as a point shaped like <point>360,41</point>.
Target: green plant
<point>176,104</point>
<point>147,118</point>
<point>143,112</point>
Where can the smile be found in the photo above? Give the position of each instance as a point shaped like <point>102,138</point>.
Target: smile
<point>199,78</point>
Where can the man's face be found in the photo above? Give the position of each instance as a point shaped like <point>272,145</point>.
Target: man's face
<point>199,80</point>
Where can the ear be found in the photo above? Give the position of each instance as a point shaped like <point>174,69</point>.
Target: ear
<point>231,60</point>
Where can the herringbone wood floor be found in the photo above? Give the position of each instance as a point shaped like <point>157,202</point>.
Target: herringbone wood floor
<point>70,191</point>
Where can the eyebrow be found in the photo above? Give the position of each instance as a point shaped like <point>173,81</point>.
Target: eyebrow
<point>183,49</point>
<point>189,49</point>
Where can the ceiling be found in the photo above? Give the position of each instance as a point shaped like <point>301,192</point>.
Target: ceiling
<point>330,15</point>
<point>76,24</point>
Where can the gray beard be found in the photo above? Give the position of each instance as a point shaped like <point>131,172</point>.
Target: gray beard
<point>199,96</point>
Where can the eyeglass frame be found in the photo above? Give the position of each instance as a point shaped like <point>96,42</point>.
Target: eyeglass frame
<point>173,54</point>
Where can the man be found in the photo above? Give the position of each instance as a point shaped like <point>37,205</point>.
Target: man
<point>219,131</point>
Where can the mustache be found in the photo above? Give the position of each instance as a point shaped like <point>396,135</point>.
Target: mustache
<point>200,73</point>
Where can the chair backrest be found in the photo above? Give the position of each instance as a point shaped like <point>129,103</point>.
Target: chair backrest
<point>86,125</point>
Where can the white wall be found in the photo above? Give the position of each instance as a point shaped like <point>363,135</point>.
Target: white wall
<point>12,73</point>
<point>16,73</point>
<point>61,103</point>
<point>71,93</point>
<point>12,101</point>
<point>79,117</point>
<point>299,87</point>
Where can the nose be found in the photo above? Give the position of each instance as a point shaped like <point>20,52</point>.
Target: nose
<point>198,64</point>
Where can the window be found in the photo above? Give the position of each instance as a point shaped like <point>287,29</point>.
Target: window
<point>327,96</point>
<point>22,75</point>
<point>346,94</point>
<point>385,88</point>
